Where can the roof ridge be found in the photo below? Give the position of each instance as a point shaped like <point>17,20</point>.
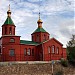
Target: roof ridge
<point>28,42</point>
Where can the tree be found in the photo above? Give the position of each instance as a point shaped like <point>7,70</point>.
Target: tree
<point>71,50</point>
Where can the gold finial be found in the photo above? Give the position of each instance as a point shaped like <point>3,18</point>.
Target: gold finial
<point>9,12</point>
<point>9,6</point>
<point>39,21</point>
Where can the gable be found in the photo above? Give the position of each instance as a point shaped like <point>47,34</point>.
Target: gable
<point>57,41</point>
<point>53,39</point>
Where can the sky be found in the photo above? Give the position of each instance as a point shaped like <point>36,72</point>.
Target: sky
<point>58,17</point>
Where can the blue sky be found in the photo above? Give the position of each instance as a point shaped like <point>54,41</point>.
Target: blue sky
<point>57,16</point>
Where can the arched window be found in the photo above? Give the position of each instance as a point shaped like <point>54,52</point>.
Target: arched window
<point>53,49</point>
<point>10,30</point>
<point>37,38</point>
<point>48,49</point>
<point>25,51</point>
<point>0,50</point>
<point>14,31</point>
<point>12,40</point>
<point>5,30</point>
<point>44,37</point>
<point>57,50</point>
<point>32,52</point>
<point>28,51</point>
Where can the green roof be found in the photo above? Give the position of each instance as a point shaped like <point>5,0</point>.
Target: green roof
<point>39,30</point>
<point>28,42</point>
<point>9,21</point>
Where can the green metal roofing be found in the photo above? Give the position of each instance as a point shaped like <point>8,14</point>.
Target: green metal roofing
<point>28,42</point>
<point>9,21</point>
<point>39,30</point>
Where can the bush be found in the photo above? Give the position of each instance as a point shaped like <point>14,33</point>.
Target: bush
<point>64,62</point>
<point>59,73</point>
<point>71,55</point>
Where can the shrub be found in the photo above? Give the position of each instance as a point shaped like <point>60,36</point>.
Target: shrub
<point>71,55</point>
<point>64,62</point>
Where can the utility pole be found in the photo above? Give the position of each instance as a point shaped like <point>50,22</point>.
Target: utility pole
<point>52,62</point>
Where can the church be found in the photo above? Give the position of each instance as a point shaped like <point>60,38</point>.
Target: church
<point>40,48</point>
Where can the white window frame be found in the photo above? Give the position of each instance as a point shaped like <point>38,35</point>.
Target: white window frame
<point>53,49</point>
<point>57,50</point>
<point>49,49</point>
<point>28,51</point>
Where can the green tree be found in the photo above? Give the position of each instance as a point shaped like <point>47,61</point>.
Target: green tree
<point>71,50</point>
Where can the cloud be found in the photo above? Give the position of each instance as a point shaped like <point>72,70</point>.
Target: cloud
<point>57,16</point>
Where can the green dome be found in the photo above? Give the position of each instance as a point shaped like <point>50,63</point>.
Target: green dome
<point>39,30</point>
<point>9,21</point>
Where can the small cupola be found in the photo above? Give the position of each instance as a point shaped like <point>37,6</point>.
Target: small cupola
<point>8,28</point>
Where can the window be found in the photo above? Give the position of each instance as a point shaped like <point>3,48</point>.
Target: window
<point>32,52</point>
<point>12,40</point>
<point>48,49</point>
<point>10,29</point>
<point>37,38</point>
<point>53,47</point>
<point>28,51</point>
<point>0,50</point>
<point>57,50</point>
<point>44,37</point>
<point>11,52</point>
<point>14,31</point>
<point>5,30</point>
<point>48,36</point>
<point>25,52</point>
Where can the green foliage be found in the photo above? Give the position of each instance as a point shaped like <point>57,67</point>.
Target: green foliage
<point>71,50</point>
<point>71,43</point>
<point>64,62</point>
<point>59,72</point>
<point>71,55</point>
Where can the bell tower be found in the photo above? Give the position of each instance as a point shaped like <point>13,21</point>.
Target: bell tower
<point>40,35</point>
<point>8,28</point>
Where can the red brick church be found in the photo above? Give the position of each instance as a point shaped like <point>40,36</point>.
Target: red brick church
<point>41,48</point>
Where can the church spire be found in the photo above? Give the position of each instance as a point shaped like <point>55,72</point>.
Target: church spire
<point>39,15</point>
<point>39,22</point>
<point>9,12</point>
<point>8,20</point>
